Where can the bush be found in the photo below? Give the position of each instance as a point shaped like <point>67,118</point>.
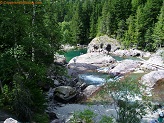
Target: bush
<point>41,118</point>
<point>85,116</point>
<point>106,119</point>
<point>24,98</point>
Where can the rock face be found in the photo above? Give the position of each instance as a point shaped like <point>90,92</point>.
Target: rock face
<point>5,116</point>
<point>151,78</point>
<point>88,62</point>
<point>103,44</point>
<point>88,91</point>
<point>124,67</point>
<point>65,93</point>
<point>10,120</point>
<point>131,52</point>
<point>59,59</point>
<point>155,62</point>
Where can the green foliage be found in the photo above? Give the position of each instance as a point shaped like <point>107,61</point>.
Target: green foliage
<point>41,118</point>
<point>85,116</point>
<point>106,119</point>
<point>23,99</point>
<point>124,94</point>
<point>158,34</point>
<point>29,37</point>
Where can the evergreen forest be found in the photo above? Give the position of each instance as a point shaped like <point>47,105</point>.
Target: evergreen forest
<point>30,35</point>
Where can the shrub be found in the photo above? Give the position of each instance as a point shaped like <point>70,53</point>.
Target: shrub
<point>85,116</point>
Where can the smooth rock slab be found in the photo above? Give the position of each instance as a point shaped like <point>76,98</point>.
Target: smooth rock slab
<point>10,120</point>
<point>88,91</point>
<point>151,78</point>
<point>65,93</point>
<point>125,66</point>
<point>103,44</point>
<point>89,62</point>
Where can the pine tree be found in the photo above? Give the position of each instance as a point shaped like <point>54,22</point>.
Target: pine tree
<point>28,40</point>
<point>129,40</point>
<point>138,36</point>
<point>121,29</point>
<point>76,24</point>
<point>158,34</point>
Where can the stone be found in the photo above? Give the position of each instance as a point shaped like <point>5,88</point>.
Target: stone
<point>124,67</point>
<point>155,62</point>
<point>10,120</point>
<point>56,82</point>
<point>59,59</point>
<point>103,44</point>
<point>65,93</point>
<point>67,47</point>
<point>89,62</point>
<point>81,85</point>
<point>88,91</point>
<point>151,78</point>
<point>131,52</point>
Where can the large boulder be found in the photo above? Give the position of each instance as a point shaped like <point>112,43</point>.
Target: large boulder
<point>103,44</point>
<point>10,120</point>
<point>5,116</point>
<point>151,78</point>
<point>131,52</point>
<point>124,67</point>
<point>59,59</point>
<point>88,62</point>
<point>64,93</point>
<point>155,62</point>
<point>90,90</point>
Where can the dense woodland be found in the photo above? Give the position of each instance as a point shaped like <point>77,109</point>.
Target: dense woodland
<point>31,34</point>
<point>136,23</point>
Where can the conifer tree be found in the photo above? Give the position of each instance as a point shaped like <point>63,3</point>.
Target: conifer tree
<point>129,39</point>
<point>76,24</point>
<point>158,34</point>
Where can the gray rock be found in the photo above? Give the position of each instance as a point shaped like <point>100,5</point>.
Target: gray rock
<point>65,93</point>
<point>88,91</point>
<point>56,82</point>
<point>59,59</point>
<point>5,115</point>
<point>81,85</point>
<point>125,66</point>
<point>151,78</point>
<point>131,52</point>
<point>103,44</point>
<point>155,62</point>
<point>10,120</point>
<point>67,47</point>
<point>89,62</point>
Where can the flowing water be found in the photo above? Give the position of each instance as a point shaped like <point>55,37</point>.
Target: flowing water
<point>100,78</point>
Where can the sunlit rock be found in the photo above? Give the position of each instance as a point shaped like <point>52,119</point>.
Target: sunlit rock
<point>64,93</point>
<point>10,120</point>
<point>125,66</point>
<point>89,62</point>
<point>151,78</point>
<point>103,44</point>
<point>88,91</point>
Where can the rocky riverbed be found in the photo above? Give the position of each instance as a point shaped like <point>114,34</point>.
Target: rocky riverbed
<point>99,58</point>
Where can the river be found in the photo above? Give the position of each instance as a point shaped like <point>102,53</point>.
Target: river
<point>95,78</point>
